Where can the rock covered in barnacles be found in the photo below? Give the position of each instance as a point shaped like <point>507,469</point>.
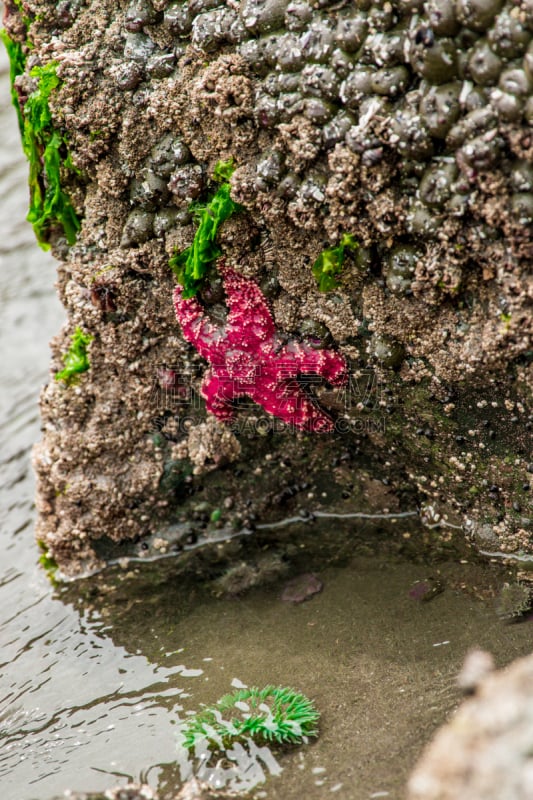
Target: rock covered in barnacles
<point>404,125</point>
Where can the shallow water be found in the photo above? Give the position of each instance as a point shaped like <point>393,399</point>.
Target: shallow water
<point>92,683</point>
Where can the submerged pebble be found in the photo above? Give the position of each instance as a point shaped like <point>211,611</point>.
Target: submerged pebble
<point>301,588</point>
<point>426,590</point>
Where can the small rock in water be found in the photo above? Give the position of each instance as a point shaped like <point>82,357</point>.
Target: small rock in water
<point>514,601</point>
<point>426,590</point>
<point>301,588</point>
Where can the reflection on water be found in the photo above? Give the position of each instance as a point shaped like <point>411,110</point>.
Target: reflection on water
<point>239,768</point>
<point>93,682</point>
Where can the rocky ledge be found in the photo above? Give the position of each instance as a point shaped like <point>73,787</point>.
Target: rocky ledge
<point>377,161</point>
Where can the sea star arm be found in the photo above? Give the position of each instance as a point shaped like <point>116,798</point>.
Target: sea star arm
<point>196,326</point>
<point>305,360</point>
<point>248,312</point>
<point>291,403</point>
<point>218,394</point>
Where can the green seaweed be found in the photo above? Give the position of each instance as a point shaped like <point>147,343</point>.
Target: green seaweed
<point>223,171</point>
<point>76,359</point>
<point>329,263</point>
<point>17,65</point>
<point>45,148</point>
<point>190,266</point>
<point>48,563</point>
<point>272,714</point>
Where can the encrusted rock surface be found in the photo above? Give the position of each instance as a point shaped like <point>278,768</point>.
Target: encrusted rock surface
<point>407,125</point>
<point>484,751</point>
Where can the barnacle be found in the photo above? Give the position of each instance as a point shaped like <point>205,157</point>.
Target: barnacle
<point>273,714</point>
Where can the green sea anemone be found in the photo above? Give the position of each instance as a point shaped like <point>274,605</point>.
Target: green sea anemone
<point>514,601</point>
<point>273,714</point>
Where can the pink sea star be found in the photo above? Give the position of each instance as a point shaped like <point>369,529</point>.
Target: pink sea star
<point>249,358</point>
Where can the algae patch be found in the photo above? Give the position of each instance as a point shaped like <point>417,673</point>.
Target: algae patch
<point>45,148</point>
<point>17,64</point>
<point>48,563</point>
<point>76,359</point>
<point>329,263</point>
<point>190,266</point>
